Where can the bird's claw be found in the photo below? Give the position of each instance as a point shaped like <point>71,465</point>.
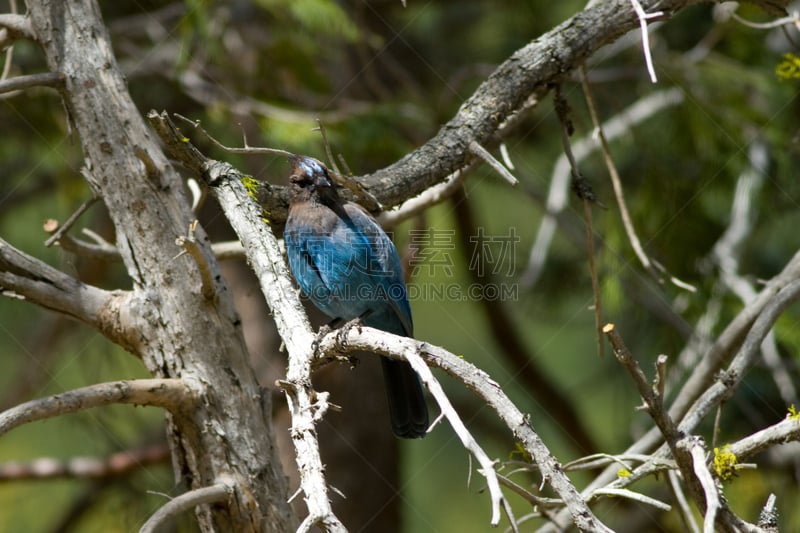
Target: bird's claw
<point>323,330</point>
<point>341,333</point>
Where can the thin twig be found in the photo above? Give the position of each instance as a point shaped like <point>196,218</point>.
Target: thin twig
<point>432,196</point>
<point>557,196</point>
<point>487,157</point>
<point>635,496</point>
<point>616,182</point>
<point>598,306</point>
<point>467,440</point>
<point>654,402</point>
<point>327,145</point>
<point>247,150</point>
<point>643,18</point>
<point>686,513</point>
<point>792,19</point>
<point>70,221</point>
<point>585,193</point>
<point>102,249</point>
<point>186,502</point>
<point>601,459</point>
<point>189,245</point>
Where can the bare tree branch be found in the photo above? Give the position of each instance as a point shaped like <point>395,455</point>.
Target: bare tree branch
<point>530,71</point>
<point>413,206</point>
<point>18,83</point>
<point>26,277</point>
<point>616,182</point>
<point>117,464</point>
<point>219,492</point>
<point>58,231</point>
<point>709,487</point>
<point>727,382</point>
<point>615,127</point>
<point>481,384</point>
<point>171,394</point>
<point>783,432</point>
<point>18,26</point>
<point>490,160</point>
<point>178,332</point>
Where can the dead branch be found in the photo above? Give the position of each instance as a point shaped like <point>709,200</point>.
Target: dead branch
<point>187,501</point>
<point>481,384</point>
<point>171,394</point>
<point>24,276</point>
<point>18,83</point>
<point>117,464</point>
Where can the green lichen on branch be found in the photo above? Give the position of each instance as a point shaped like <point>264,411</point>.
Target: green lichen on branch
<point>789,67</point>
<point>252,186</point>
<point>725,463</point>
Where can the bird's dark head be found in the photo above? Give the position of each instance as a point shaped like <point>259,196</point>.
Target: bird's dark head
<point>308,173</point>
<point>310,181</point>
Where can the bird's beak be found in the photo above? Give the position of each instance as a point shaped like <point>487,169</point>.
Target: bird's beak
<point>321,180</point>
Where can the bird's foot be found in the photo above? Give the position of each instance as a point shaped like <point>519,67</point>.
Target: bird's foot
<point>344,329</point>
<point>323,330</point>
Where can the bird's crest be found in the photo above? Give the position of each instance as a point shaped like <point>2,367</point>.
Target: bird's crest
<point>309,171</point>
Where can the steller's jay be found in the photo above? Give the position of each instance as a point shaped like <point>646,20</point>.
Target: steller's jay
<point>349,268</point>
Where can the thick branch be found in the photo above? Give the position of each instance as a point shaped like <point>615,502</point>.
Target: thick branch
<point>18,26</point>
<point>530,70</point>
<point>24,276</point>
<point>171,394</point>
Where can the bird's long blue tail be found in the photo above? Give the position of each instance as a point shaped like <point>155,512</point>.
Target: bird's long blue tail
<point>407,408</point>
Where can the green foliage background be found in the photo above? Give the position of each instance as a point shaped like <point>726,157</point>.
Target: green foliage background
<point>383,78</point>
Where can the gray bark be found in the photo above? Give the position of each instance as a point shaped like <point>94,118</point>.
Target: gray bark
<point>176,331</point>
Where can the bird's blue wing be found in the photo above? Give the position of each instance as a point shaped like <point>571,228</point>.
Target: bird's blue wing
<point>348,266</point>
<point>377,265</point>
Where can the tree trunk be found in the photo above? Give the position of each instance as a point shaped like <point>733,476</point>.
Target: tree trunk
<point>176,329</point>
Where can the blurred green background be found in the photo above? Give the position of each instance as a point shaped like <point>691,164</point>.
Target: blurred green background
<point>383,79</point>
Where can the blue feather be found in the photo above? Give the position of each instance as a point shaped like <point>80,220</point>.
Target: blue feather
<point>348,267</point>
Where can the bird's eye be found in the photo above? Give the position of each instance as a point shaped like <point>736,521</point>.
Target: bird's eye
<point>300,180</point>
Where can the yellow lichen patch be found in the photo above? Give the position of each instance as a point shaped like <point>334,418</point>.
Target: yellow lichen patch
<point>789,67</point>
<point>251,185</point>
<point>519,450</point>
<point>725,463</point>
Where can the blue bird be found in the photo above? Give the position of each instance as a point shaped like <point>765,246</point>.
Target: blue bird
<point>349,268</point>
